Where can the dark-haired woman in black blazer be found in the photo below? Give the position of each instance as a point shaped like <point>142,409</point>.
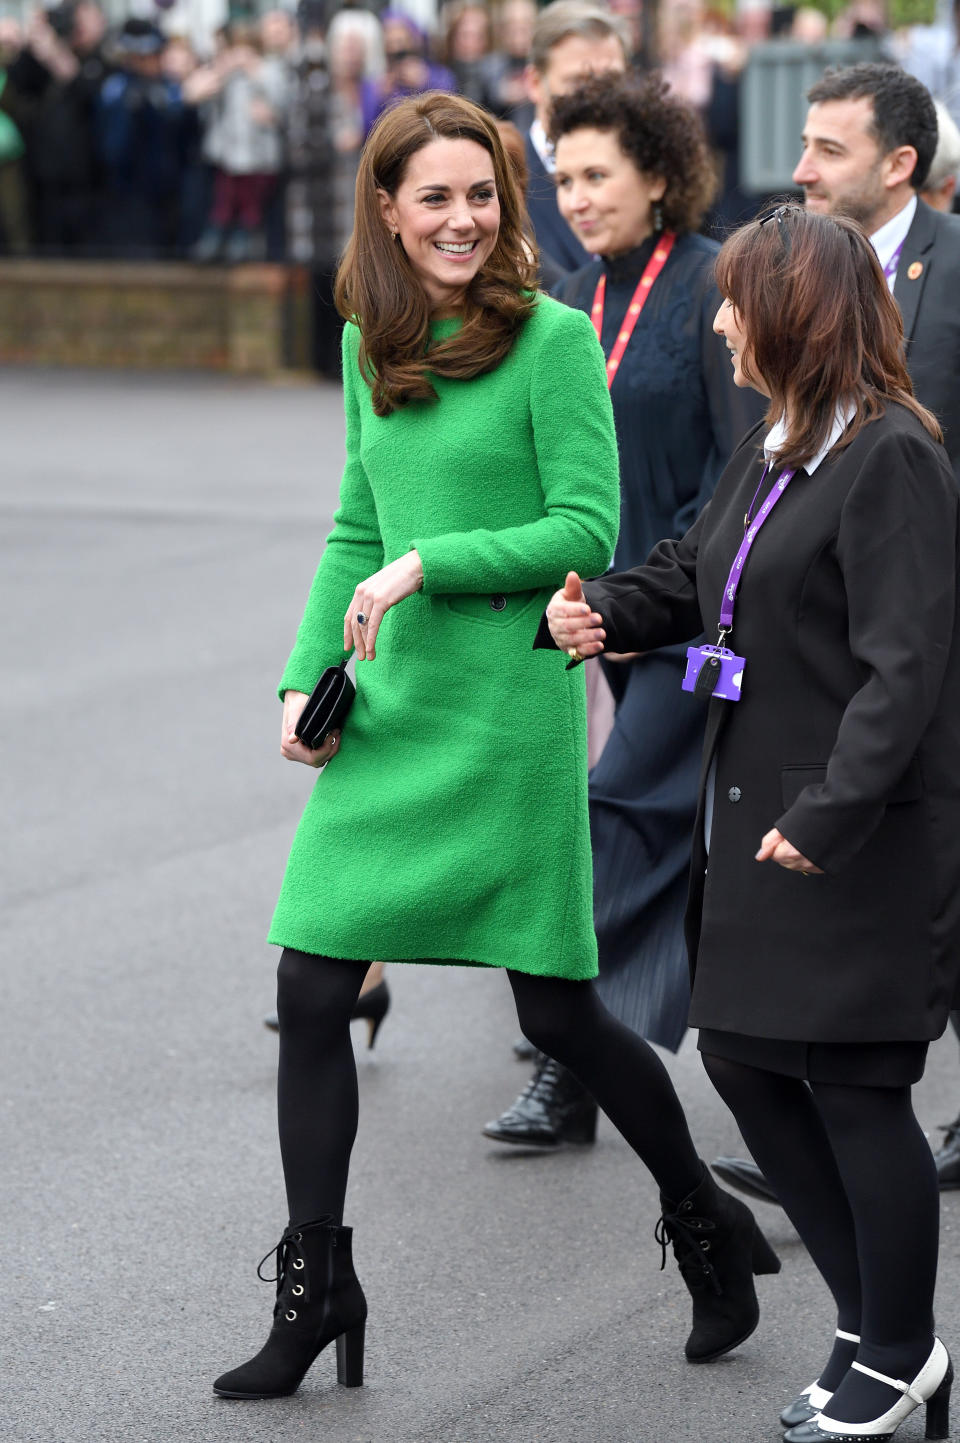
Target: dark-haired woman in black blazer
<point>824,916</point>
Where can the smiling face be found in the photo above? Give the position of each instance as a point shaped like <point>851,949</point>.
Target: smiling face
<point>602,196</point>
<point>842,169</point>
<point>446,214</point>
<point>729,324</point>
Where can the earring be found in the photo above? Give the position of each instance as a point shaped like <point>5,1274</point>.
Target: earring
<point>395,234</point>
<point>657,216</point>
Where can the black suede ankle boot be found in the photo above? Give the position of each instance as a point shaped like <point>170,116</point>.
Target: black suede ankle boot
<point>718,1248</point>
<point>318,1299</point>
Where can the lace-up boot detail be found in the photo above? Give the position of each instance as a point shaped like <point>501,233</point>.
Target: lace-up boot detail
<point>718,1248</point>
<point>318,1300</point>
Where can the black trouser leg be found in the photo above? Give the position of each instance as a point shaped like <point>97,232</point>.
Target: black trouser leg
<point>856,1177</point>
<point>568,1022</point>
<point>317,1081</point>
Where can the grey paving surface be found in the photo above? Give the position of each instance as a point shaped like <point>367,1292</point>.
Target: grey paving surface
<point>157,536</point>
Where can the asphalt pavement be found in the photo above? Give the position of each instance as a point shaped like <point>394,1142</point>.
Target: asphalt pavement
<point>157,539</point>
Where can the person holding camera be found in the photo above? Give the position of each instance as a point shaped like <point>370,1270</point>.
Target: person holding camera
<point>481,460</point>
<point>824,913</point>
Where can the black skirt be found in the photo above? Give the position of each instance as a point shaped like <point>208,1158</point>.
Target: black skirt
<point>866,1064</point>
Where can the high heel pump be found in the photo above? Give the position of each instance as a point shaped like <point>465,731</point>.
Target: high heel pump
<point>931,1386</point>
<point>813,1399</point>
<point>373,1006</point>
<point>319,1300</point>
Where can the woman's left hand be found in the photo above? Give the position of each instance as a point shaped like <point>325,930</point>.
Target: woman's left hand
<point>374,597</point>
<point>776,848</point>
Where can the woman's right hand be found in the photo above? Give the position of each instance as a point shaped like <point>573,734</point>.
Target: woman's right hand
<point>295,751</point>
<point>574,627</point>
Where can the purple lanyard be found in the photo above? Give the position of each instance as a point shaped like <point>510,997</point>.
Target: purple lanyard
<point>890,269</point>
<point>746,545</point>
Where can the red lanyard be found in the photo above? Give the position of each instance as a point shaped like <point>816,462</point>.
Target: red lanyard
<point>654,266</point>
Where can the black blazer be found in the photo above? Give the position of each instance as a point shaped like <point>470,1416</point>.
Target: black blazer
<point>847,738</point>
<point>558,244</point>
<point>929,302</point>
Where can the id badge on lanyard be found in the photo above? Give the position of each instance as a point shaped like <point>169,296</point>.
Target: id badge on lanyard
<point>716,670</point>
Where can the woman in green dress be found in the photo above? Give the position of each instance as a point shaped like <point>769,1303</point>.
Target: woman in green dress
<point>451,824</point>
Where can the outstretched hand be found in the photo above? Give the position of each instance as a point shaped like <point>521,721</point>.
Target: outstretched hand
<point>574,627</point>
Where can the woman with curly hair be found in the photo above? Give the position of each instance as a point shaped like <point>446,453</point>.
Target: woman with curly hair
<point>451,825</point>
<point>634,179</point>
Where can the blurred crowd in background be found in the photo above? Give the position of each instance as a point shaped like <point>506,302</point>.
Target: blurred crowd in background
<point>163,136</point>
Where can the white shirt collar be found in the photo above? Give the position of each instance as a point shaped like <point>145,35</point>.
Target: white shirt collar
<point>886,240</point>
<point>778,432</point>
<point>541,144</point>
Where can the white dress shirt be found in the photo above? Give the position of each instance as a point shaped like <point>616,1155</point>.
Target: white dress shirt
<point>889,237</point>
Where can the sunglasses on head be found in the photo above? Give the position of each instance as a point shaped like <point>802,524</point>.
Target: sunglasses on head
<point>779,214</point>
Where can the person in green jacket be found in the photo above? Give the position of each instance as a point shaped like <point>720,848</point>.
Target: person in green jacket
<point>450,825</point>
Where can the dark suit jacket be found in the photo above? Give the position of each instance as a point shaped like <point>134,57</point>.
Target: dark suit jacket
<point>556,240</point>
<point>930,306</point>
<point>847,738</point>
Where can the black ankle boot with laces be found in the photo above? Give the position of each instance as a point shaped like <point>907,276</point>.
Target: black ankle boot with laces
<point>718,1248</point>
<point>318,1300</point>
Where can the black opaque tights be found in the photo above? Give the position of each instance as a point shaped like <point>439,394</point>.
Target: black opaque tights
<point>857,1179</point>
<point>317,1085</point>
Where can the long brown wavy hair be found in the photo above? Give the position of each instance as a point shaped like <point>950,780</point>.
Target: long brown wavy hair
<point>821,325</point>
<point>377,287</point>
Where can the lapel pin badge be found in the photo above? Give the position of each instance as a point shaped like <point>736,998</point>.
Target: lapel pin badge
<point>915,271</point>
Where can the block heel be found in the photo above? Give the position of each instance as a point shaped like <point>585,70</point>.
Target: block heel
<point>938,1408</point>
<point>764,1258</point>
<point>350,1357</point>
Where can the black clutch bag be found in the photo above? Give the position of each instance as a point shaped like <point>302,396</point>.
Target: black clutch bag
<point>327,707</point>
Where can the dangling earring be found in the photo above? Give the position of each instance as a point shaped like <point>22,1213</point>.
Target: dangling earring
<point>395,234</point>
<point>657,217</point>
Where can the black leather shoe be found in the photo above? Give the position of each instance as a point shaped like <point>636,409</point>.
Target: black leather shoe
<point>746,1177</point>
<point>553,1108</point>
<point>948,1157</point>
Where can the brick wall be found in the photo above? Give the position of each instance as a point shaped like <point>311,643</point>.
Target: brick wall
<point>249,319</point>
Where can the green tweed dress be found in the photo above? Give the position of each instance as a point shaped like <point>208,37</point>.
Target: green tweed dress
<point>452,825</point>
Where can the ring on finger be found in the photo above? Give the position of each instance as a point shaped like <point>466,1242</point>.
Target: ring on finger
<point>361,619</point>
